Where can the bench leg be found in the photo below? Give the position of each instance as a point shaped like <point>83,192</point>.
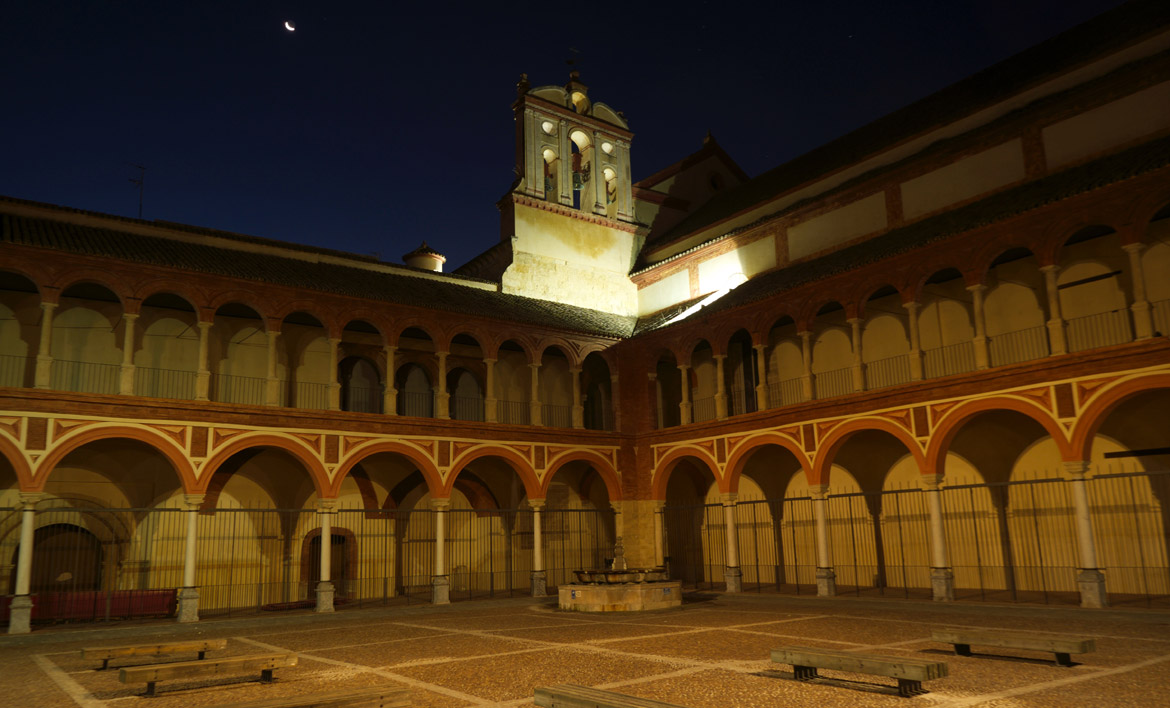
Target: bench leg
<point>266,676</point>
<point>804,673</point>
<point>150,688</point>
<point>910,687</point>
<point>1063,659</point>
<point>963,649</point>
<point>105,664</point>
<point>201,655</point>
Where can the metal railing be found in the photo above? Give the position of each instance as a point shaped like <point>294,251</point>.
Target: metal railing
<point>362,399</point>
<point>1160,310</point>
<point>418,404</point>
<point>164,383</point>
<point>250,390</point>
<point>553,415</point>
<point>945,361</point>
<point>890,371</point>
<point>85,376</point>
<point>17,371</point>
<point>1099,330</point>
<point>739,401</point>
<point>514,412</point>
<point>308,395</point>
<point>467,408</point>
<point>703,409</point>
<point>838,382</point>
<point>776,545</point>
<point>694,544</point>
<point>785,393</point>
<point>1020,345</point>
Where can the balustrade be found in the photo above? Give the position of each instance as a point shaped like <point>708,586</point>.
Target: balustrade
<point>238,389</point>
<point>949,360</point>
<point>838,382</point>
<point>703,409</point>
<point>890,371</point>
<point>785,393</point>
<point>12,369</point>
<point>164,383</point>
<point>514,412</point>
<point>467,408</point>
<point>1099,330</point>
<point>1161,312</point>
<point>555,416</point>
<point>1021,345</point>
<point>85,376</point>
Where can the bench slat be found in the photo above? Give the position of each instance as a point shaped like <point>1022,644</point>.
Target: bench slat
<point>893,666</point>
<point>195,669</point>
<point>1015,640</point>
<point>152,649</point>
<point>381,697</point>
<point>569,695</point>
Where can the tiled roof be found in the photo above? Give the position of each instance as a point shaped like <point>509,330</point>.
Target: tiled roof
<point>400,288</point>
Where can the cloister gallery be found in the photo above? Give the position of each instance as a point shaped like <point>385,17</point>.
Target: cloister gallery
<point>928,359</point>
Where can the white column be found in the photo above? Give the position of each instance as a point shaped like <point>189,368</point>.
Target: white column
<point>597,177</point>
<point>489,394</point>
<point>444,397</point>
<point>126,384</point>
<point>44,359</point>
<point>858,367</point>
<point>684,402</point>
<point>534,409</point>
<point>20,617</point>
<point>202,372</point>
<point>271,383</point>
<point>390,393</point>
<point>826,578</point>
<point>806,377</point>
<point>1090,579</point>
<point>916,373</point>
<point>334,384</point>
<point>942,577</point>
<point>1056,339</point>
<point>325,509</point>
<point>720,388</point>
<point>732,575</point>
<point>979,320</point>
<point>440,583</point>
<point>1143,322</point>
<point>189,594</point>
<point>539,587</point>
<point>761,377</point>
<point>659,521</point>
<point>578,406</point>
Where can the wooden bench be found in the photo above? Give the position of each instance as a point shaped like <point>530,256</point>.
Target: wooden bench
<point>376,697</point>
<point>107,653</point>
<point>567,695</point>
<point>1060,645</point>
<point>909,672</point>
<point>151,674</point>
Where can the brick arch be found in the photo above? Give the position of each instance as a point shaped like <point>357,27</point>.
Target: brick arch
<point>828,448</point>
<point>104,278</point>
<point>309,307</point>
<point>432,329</point>
<point>666,465</point>
<point>163,445</point>
<point>738,459</point>
<point>11,452</point>
<point>808,314</point>
<point>299,450</point>
<point>181,288</point>
<point>692,343</point>
<point>426,466</point>
<point>1103,404</point>
<point>523,342</point>
<point>863,293</point>
<point>1144,211</point>
<point>602,465</point>
<point>34,272</point>
<point>522,467</point>
<point>918,285</point>
<point>244,297</point>
<point>563,345</point>
<point>946,429</point>
<point>982,259</point>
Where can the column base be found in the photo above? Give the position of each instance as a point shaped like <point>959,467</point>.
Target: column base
<point>188,605</point>
<point>1091,582</point>
<point>20,615</point>
<point>539,586</point>
<point>826,582</point>
<point>440,590</point>
<point>942,584</point>
<point>324,596</point>
<point>733,578</point>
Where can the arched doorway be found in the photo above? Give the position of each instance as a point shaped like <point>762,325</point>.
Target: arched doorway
<point>695,542</point>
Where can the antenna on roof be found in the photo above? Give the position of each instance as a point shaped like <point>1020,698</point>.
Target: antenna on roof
<point>139,182</point>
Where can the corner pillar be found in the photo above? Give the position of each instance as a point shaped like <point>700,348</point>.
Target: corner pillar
<point>44,358</point>
<point>1056,339</point>
<point>1090,579</point>
<point>720,388</point>
<point>539,580</point>
<point>942,576</point>
<point>762,402</point>
<point>390,393</point>
<point>126,382</point>
<point>202,371</point>
<point>189,594</point>
<point>982,353</point>
<point>806,375</point>
<point>858,366</point>
<point>732,574</point>
<point>534,406</point>
<point>326,508</point>
<point>443,407</point>
<point>489,394</point>
<point>440,581</point>
<point>826,577</point>
<point>1143,320</point>
<point>916,372</point>
<point>684,403</point>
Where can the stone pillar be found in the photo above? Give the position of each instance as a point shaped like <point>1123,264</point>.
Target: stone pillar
<point>685,406</point>
<point>334,384</point>
<point>538,575</point>
<point>202,371</point>
<point>326,508</point>
<point>942,576</point>
<point>20,617</point>
<point>44,359</point>
<point>489,394</point>
<point>618,522</point>
<point>979,320</point>
<point>806,376</point>
<point>440,582</point>
<point>597,178</point>
<point>659,525</point>
<point>126,384</point>
<point>1143,321</point>
<point>916,373</point>
<point>762,403</point>
<point>390,392</point>
<point>1090,579</point>
<point>720,388</point>
<point>534,407</point>
<point>578,406</point>
<point>858,367</point>
<point>271,383</point>
<point>443,400</point>
<point>826,578</point>
<point>189,594</point>
<point>732,575</point>
<point>1056,339</point>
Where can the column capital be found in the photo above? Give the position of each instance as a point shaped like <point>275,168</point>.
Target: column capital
<point>854,321</point>
<point>912,305</point>
<point>489,360</point>
<point>1076,469</point>
<point>683,367</point>
<point>574,370</point>
<point>129,316</point>
<point>29,499</point>
<point>534,364</point>
<point>441,504</point>
<point>204,324</point>
<point>718,357</point>
<point>1134,247</point>
<point>659,506</point>
<point>46,305</point>
<point>389,348</point>
<point>818,491</point>
<point>442,354</point>
<point>729,499</point>
<point>616,506</point>
<point>193,501</point>
<point>1050,268</point>
<point>326,506</point>
<point>976,288</point>
<point>536,504</point>
<point>930,482</point>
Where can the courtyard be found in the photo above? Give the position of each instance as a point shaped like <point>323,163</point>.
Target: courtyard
<point>711,653</point>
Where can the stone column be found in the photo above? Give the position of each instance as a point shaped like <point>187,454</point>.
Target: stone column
<point>826,578</point>
<point>44,358</point>
<point>271,383</point>
<point>578,406</point>
<point>1143,321</point>
<point>440,582</point>
<point>916,373</point>
<point>444,398</point>
<point>858,367</point>
<point>806,375</point>
<point>1090,579</point>
<point>979,320</point>
<point>202,372</point>
<point>720,388</point>
<point>618,523</point>
<point>1056,339</point>
<point>189,594</point>
<point>534,407</point>
<point>126,384</point>
<point>732,575</point>
<point>685,406</point>
<point>597,177</point>
<point>390,393</point>
<point>942,576</point>
<point>761,377</point>
<point>20,617</point>
<point>334,384</point>
<point>538,574</point>
<point>326,508</point>
<point>659,525</point>
<point>489,394</point>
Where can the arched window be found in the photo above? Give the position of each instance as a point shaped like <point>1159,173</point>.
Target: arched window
<point>415,395</point>
<point>361,386</point>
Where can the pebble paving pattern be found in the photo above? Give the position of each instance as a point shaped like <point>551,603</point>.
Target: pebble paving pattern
<point>711,653</point>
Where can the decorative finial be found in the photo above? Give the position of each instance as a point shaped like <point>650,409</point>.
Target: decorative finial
<point>522,85</point>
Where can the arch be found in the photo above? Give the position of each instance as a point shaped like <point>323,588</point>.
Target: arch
<point>1103,404</point>
<point>667,464</point>
<point>242,297</point>
<point>165,446</point>
<point>739,457</point>
<point>94,277</point>
<point>429,471</point>
<point>521,466</point>
<point>167,286</point>
<point>946,429</point>
<point>12,453</point>
<point>299,450</point>
<point>828,448</point>
<point>601,464</point>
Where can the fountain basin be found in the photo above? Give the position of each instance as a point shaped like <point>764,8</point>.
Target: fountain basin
<point>630,590</point>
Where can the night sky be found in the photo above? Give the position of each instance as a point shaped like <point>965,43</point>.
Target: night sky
<point>376,125</point>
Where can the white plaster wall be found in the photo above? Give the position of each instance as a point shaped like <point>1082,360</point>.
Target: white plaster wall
<point>732,268</point>
<point>963,179</point>
<point>850,221</point>
<point>664,293</point>
<point>1115,123</point>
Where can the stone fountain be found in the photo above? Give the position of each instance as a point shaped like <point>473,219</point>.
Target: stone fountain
<point>620,588</point>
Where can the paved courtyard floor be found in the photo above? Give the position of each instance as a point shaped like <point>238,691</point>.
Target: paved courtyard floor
<point>711,653</point>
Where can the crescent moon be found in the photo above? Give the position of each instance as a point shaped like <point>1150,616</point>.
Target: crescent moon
<point>290,27</point>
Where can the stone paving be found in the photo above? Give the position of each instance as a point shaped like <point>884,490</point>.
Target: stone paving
<point>711,653</point>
